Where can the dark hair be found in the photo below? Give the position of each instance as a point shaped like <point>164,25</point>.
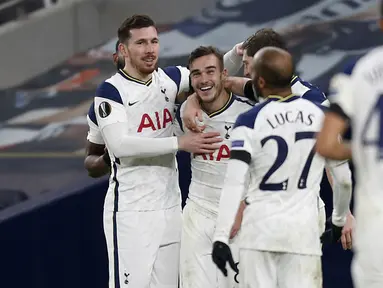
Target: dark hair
<point>381,9</point>
<point>133,22</point>
<point>204,51</point>
<point>117,43</point>
<point>263,38</point>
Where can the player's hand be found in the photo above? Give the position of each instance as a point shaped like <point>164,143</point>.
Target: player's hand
<point>222,254</point>
<point>192,113</point>
<point>332,235</point>
<point>238,221</point>
<point>239,49</point>
<point>199,143</point>
<point>346,238</point>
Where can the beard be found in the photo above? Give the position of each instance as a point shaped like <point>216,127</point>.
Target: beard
<point>143,68</point>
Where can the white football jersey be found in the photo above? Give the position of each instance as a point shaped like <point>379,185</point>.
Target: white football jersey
<point>147,183</point>
<point>360,97</point>
<point>209,170</point>
<point>285,175</point>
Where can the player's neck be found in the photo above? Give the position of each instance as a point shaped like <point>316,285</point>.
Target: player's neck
<point>279,92</point>
<point>132,72</point>
<point>217,104</point>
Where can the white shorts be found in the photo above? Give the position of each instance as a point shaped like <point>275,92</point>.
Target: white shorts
<point>278,270</point>
<point>197,269</point>
<point>143,248</point>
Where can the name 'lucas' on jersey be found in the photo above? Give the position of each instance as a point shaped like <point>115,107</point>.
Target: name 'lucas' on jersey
<point>149,105</point>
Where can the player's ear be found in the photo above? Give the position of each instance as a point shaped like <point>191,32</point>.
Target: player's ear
<point>123,49</point>
<point>115,58</point>
<point>261,82</point>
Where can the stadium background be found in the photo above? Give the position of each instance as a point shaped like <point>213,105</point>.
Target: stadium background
<point>54,237</point>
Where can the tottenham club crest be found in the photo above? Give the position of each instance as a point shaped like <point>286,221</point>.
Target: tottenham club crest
<point>104,109</point>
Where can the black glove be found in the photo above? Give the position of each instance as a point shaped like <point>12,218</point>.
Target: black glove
<point>332,235</point>
<point>222,254</point>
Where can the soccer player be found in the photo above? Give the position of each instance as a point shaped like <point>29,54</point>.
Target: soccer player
<point>135,112</point>
<point>274,142</point>
<point>358,100</point>
<point>220,110</point>
<point>97,160</point>
<point>340,171</point>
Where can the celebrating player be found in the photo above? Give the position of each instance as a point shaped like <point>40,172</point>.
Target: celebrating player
<point>359,98</point>
<point>97,160</point>
<point>340,172</point>
<point>134,112</point>
<point>220,110</point>
<point>274,142</point>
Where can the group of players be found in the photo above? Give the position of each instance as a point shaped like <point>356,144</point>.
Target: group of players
<point>254,194</point>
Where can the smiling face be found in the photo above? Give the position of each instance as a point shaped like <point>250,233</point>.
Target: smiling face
<point>141,49</point>
<point>207,76</point>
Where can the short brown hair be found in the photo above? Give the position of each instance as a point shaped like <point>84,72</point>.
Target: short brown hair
<point>134,22</point>
<point>263,38</point>
<point>204,51</point>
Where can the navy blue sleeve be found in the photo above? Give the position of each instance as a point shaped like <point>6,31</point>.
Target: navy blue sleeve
<point>175,74</point>
<point>92,114</point>
<point>178,118</point>
<point>314,95</point>
<point>349,68</point>
<point>108,91</point>
<point>248,118</point>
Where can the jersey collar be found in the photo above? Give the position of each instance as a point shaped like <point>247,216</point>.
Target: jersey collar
<point>224,107</point>
<point>277,98</point>
<point>133,79</point>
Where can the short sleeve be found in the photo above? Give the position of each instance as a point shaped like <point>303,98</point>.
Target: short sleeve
<point>180,76</point>
<point>342,100</point>
<point>108,106</point>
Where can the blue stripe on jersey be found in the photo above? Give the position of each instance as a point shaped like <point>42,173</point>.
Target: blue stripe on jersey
<point>115,238</point>
<point>178,118</point>
<point>92,114</point>
<point>247,119</point>
<point>108,91</point>
<point>175,74</point>
<point>349,67</point>
<point>314,94</point>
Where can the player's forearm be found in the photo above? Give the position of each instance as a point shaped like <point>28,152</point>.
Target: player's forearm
<point>342,192</point>
<point>232,61</point>
<point>96,166</point>
<point>236,85</point>
<point>230,199</point>
<point>120,144</point>
<point>329,144</point>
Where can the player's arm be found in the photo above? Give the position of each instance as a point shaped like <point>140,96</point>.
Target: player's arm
<point>232,193</point>
<point>342,192</point>
<point>236,175</point>
<point>97,160</point>
<point>336,122</point>
<point>232,60</point>
<point>113,123</point>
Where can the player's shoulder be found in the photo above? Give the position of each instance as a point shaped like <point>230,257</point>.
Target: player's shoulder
<point>173,74</point>
<point>307,90</point>
<point>248,118</point>
<point>242,102</point>
<point>111,89</point>
<point>368,62</point>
